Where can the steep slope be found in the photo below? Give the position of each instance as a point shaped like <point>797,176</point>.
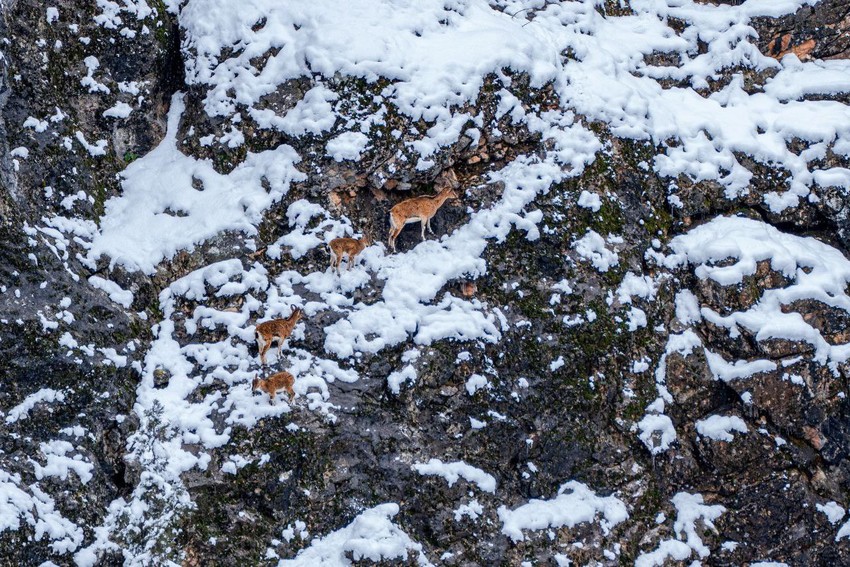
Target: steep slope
<point>626,342</point>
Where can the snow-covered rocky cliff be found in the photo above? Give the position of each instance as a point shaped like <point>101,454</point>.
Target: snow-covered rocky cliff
<point>626,342</point>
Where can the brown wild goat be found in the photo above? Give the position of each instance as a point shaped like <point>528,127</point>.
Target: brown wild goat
<point>341,248</point>
<point>420,209</point>
<point>276,329</point>
<point>275,383</point>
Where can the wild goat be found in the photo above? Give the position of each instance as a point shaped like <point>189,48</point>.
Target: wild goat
<point>341,248</point>
<point>276,329</point>
<point>420,209</point>
<point>275,383</point>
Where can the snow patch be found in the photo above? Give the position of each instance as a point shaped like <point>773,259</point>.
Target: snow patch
<point>690,509</point>
<point>115,292</point>
<point>456,470</point>
<point>371,535</point>
<point>139,228</point>
<point>21,411</point>
<point>575,504</point>
<point>347,146</point>
<point>721,427</point>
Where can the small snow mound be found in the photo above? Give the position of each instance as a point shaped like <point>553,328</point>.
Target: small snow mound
<point>591,247</point>
<point>21,411</point>
<point>833,511</point>
<point>137,231</point>
<point>657,432</point>
<point>347,146</point>
<point>371,535</point>
<point>456,470</point>
<point>721,427</point>
<point>590,201</point>
<point>115,292</point>
<point>575,504</point>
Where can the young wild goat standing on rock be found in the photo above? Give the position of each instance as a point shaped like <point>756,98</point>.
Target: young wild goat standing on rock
<point>417,209</point>
<point>348,248</point>
<point>273,384</point>
<point>276,329</point>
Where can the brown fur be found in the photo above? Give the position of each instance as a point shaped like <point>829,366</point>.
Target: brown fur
<point>274,383</point>
<point>341,248</point>
<point>420,209</point>
<point>279,329</point>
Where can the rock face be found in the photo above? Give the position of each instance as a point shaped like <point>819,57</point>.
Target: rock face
<point>814,32</point>
<point>626,343</point>
<point>67,416</point>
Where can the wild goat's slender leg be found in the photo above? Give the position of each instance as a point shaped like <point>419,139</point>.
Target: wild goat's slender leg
<point>393,235</point>
<point>264,348</point>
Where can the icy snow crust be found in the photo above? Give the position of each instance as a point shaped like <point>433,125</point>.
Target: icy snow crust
<point>436,55</point>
